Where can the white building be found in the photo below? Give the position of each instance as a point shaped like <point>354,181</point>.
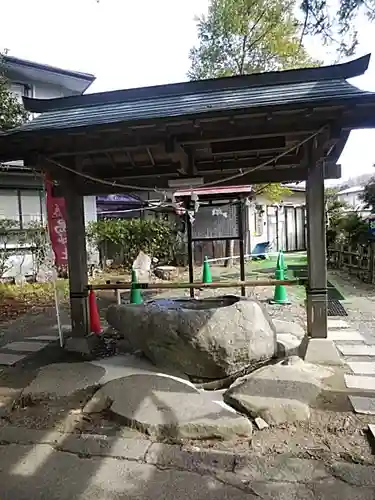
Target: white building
<point>22,190</point>
<point>352,196</point>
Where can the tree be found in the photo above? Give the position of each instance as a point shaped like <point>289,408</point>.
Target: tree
<point>12,112</point>
<point>240,37</point>
<point>368,195</point>
<point>334,21</point>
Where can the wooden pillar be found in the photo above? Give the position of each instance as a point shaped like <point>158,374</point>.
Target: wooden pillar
<point>241,242</point>
<point>77,261</point>
<point>189,232</point>
<point>316,303</point>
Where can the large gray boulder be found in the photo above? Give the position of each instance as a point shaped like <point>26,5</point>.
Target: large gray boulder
<point>209,338</point>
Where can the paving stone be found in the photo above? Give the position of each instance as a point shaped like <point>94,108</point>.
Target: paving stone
<point>287,344</point>
<point>280,468</point>
<point>337,323</point>
<point>65,379</point>
<point>26,346</point>
<point>47,338</point>
<point>10,359</point>
<point>279,393</point>
<point>359,382</point>
<point>281,491</point>
<point>362,367</point>
<point>357,350</point>
<point>333,489</point>
<point>354,474</point>
<point>166,407</point>
<point>198,460</point>
<point>40,473</point>
<point>94,445</point>
<point>362,404</point>
<point>344,335</point>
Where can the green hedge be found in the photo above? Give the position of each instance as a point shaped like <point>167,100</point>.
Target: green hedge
<point>122,239</point>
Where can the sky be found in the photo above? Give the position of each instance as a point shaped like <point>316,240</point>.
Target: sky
<point>134,43</point>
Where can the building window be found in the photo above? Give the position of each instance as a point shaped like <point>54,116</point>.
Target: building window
<point>30,207</point>
<point>9,205</point>
<point>23,206</point>
<point>20,90</point>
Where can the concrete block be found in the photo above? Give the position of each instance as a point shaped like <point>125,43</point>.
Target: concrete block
<point>322,352</point>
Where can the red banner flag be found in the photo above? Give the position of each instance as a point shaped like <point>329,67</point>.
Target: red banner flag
<point>56,216</point>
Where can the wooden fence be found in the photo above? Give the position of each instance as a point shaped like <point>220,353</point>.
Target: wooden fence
<point>357,260</point>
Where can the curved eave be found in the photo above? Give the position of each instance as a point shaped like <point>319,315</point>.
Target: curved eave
<point>343,71</point>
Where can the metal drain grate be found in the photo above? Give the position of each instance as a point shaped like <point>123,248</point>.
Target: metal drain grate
<point>335,308</point>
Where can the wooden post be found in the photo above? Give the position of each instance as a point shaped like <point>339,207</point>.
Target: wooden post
<point>189,232</point>
<point>77,260</point>
<point>316,247</point>
<point>241,243</point>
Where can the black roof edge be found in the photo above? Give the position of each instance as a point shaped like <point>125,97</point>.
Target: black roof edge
<point>336,72</point>
<point>46,67</point>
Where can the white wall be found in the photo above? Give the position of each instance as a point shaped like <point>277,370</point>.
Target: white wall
<point>33,208</point>
<point>257,219</point>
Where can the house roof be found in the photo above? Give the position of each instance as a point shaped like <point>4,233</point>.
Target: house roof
<point>353,189</point>
<point>24,70</point>
<point>295,87</point>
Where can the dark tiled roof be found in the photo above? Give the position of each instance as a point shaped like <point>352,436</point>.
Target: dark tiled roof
<point>194,104</point>
<point>310,86</point>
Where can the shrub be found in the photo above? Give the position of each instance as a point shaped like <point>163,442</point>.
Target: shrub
<point>122,239</point>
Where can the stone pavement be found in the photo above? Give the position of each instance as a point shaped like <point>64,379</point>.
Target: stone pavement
<point>13,352</point>
<point>39,465</point>
<point>358,352</point>
<point>27,336</point>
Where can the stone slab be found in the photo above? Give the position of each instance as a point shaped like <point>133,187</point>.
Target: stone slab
<point>354,474</point>
<point>357,350</point>
<point>322,352</point>
<point>359,382</point>
<point>333,323</point>
<point>278,393</point>
<point>10,359</point>
<point>362,367</point>
<point>197,459</point>
<point>46,338</point>
<point>165,407</point>
<point>287,344</point>
<point>345,335</point>
<point>65,379</point>
<point>40,472</point>
<point>23,346</point>
<point>362,404</point>
<point>287,327</point>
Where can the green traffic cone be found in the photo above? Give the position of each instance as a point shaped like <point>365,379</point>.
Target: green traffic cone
<point>206,278</point>
<point>281,264</point>
<point>280,295</point>
<point>135,293</point>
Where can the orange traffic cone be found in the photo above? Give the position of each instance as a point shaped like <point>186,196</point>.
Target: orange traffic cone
<point>94,317</point>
